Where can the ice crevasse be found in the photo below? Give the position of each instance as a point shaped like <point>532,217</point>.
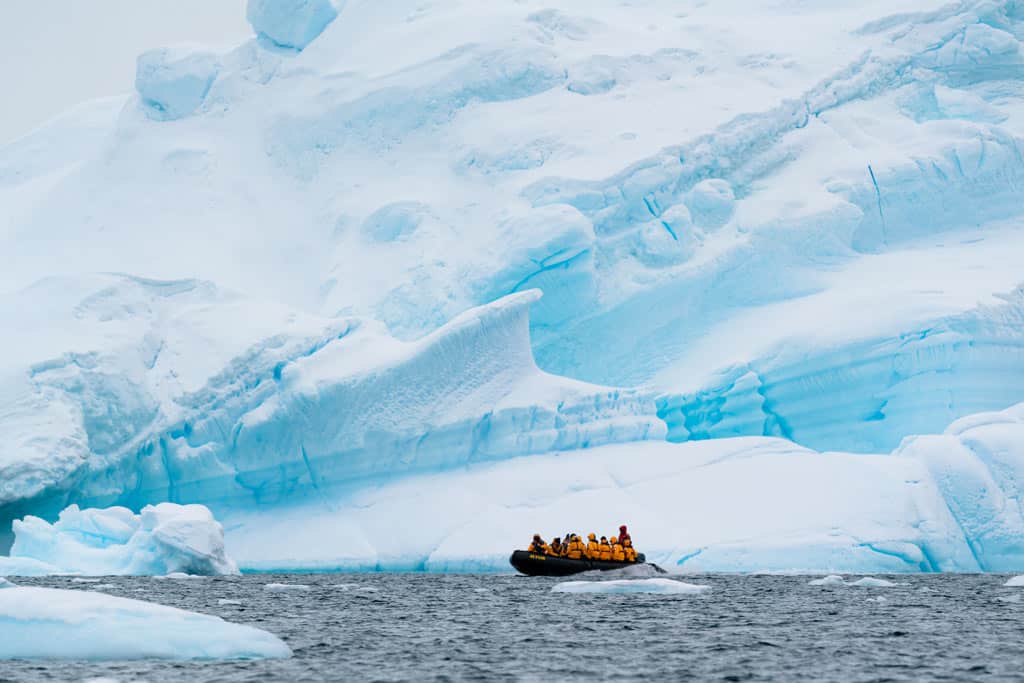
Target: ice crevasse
<point>820,260</point>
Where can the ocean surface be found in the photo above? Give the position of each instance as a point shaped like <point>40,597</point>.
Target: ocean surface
<point>486,627</point>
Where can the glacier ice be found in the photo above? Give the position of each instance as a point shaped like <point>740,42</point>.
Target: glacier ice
<point>291,23</point>
<point>50,623</point>
<point>173,82</point>
<point>741,504</point>
<point>316,276</point>
<point>628,586</point>
<point>1015,581</point>
<point>162,539</point>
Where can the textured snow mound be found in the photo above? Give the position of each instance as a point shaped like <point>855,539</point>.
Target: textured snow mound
<point>48,623</point>
<point>291,23</point>
<point>173,82</point>
<point>162,539</point>
<point>659,586</point>
<point>1015,582</point>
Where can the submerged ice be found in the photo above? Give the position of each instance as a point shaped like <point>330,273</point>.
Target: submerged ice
<point>819,259</point>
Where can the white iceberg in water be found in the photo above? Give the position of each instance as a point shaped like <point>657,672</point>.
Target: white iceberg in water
<point>866,582</point>
<point>661,586</point>
<point>1015,582</point>
<point>49,623</point>
<point>163,539</point>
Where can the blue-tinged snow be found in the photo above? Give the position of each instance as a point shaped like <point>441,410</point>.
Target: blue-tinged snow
<point>173,82</point>
<point>803,224</point>
<point>49,623</point>
<point>291,23</point>
<point>162,539</point>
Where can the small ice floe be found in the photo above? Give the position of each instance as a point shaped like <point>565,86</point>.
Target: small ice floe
<point>1010,598</point>
<point>285,587</point>
<point>638,571</point>
<point>79,580</point>
<point>52,623</point>
<point>878,599</point>
<point>1015,582</point>
<point>102,586</point>
<point>830,580</point>
<point>866,582</point>
<point>178,576</point>
<point>227,601</point>
<point>659,586</point>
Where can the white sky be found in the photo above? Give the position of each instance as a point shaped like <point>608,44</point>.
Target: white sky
<point>56,53</point>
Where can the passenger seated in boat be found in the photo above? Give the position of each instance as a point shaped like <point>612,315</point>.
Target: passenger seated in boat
<point>556,547</point>
<point>576,548</point>
<point>624,535</point>
<point>629,550</point>
<point>605,552</point>
<point>593,547</point>
<point>539,546</point>
<point>618,554</point>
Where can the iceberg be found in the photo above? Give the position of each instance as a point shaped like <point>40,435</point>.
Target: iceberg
<point>49,623</point>
<point>300,283</point>
<point>163,539</point>
<point>1015,582</point>
<point>626,586</point>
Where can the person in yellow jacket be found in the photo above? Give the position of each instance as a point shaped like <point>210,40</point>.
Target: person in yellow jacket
<point>539,546</point>
<point>605,552</point>
<point>556,547</point>
<point>629,550</point>
<point>593,547</point>
<point>576,548</point>
<point>618,554</point>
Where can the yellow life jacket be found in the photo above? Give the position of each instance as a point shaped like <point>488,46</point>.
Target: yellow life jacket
<point>593,550</point>
<point>606,552</point>
<point>630,553</point>
<point>617,553</point>
<point>555,550</point>
<point>576,549</point>
<point>539,548</point>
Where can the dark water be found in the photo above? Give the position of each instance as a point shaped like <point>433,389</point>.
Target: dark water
<point>458,627</point>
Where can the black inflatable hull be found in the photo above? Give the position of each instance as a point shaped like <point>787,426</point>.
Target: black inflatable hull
<point>533,564</point>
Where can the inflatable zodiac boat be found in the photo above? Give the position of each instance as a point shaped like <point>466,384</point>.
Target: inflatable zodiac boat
<point>536,564</point>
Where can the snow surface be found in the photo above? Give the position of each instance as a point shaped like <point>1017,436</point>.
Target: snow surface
<point>293,275</point>
<point>626,586</point>
<point>49,623</point>
<point>162,539</point>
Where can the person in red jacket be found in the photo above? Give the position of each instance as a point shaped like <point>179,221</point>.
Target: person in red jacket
<point>623,534</point>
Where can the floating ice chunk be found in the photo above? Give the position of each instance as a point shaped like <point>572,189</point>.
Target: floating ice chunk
<point>85,580</point>
<point>1015,582</point>
<point>661,586</point>
<point>177,575</point>
<point>866,582</point>
<point>830,580</point>
<point>4,583</point>
<point>1016,597</point>
<point>227,601</point>
<point>173,82</point>
<point>285,587</point>
<point>872,582</point>
<point>291,23</point>
<point>162,539</point>
<point>878,599</point>
<point>65,624</point>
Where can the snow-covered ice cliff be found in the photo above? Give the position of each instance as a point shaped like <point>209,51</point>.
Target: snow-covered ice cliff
<point>301,268</point>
